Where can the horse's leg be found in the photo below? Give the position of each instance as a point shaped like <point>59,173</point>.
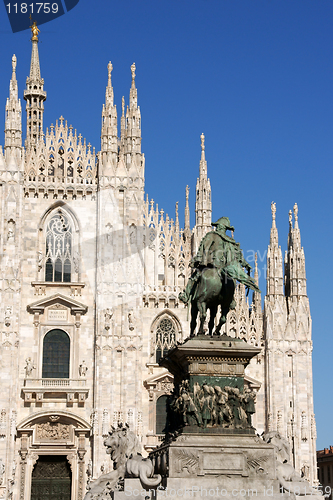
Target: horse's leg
<point>223,319</point>
<point>227,292</point>
<point>213,311</point>
<point>203,313</point>
<point>194,315</point>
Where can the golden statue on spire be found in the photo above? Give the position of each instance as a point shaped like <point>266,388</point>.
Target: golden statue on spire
<point>34,30</point>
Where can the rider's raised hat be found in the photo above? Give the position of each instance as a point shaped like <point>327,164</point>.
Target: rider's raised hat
<point>225,222</point>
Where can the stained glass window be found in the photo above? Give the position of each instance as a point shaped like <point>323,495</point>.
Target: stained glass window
<point>56,350</point>
<point>59,251</point>
<point>165,337</point>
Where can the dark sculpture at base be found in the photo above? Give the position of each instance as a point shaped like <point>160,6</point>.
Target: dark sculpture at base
<point>209,406</point>
<point>217,266</point>
<point>210,396</point>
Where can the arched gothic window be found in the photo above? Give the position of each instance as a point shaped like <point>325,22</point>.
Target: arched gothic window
<point>161,414</point>
<point>56,350</point>
<point>59,248</point>
<point>165,337</point>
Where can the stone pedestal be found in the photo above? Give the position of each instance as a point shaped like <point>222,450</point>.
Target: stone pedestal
<point>209,395</point>
<point>193,464</point>
<point>211,449</point>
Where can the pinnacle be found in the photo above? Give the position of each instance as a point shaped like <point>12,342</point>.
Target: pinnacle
<point>202,137</point>
<point>274,239</point>
<point>14,61</point>
<point>273,209</point>
<point>133,68</point>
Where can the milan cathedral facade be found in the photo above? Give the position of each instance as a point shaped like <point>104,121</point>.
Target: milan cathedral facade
<point>90,275</point>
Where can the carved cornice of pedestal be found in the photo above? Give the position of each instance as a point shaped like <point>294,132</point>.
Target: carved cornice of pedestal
<point>222,356</point>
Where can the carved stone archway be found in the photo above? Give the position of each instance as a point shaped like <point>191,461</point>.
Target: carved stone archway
<point>53,433</point>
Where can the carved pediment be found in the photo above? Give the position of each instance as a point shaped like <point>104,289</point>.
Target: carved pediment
<point>57,301</point>
<point>162,382</point>
<point>252,383</point>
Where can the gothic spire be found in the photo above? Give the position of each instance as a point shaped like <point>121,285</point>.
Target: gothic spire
<point>295,276</point>
<point>203,204</point>
<point>203,163</point>
<point>133,122</point>
<point>296,231</point>
<point>13,123</point>
<point>256,274</point>
<point>109,88</point>
<point>133,104</point>
<point>122,126</point>
<point>109,133</point>
<point>187,229</point>
<point>274,260</point>
<point>177,219</point>
<point>34,95</point>
<point>274,239</point>
<point>256,302</point>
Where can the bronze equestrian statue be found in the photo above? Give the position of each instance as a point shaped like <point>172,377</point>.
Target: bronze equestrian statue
<point>216,267</point>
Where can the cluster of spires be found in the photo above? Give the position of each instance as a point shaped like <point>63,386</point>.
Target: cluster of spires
<point>130,124</point>
<point>290,281</point>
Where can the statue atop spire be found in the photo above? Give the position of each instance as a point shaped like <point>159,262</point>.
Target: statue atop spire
<point>34,30</point>
<point>274,233</point>
<point>273,208</point>
<point>109,132</point>
<point>13,124</point>
<point>14,61</point>
<point>296,212</point>
<point>34,94</point>
<point>110,68</point>
<point>133,68</point>
<point>203,205</point>
<point>133,101</point>
<point>202,137</point>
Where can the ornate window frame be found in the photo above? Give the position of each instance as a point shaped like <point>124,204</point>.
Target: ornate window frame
<point>63,313</point>
<point>165,314</point>
<point>74,256</point>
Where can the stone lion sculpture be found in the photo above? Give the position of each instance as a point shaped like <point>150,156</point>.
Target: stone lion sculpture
<point>124,449</point>
<point>289,479</point>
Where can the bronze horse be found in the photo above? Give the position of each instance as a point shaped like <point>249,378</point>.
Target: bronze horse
<point>210,292</point>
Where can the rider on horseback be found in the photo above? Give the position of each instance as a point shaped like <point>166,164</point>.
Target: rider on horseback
<point>218,250</point>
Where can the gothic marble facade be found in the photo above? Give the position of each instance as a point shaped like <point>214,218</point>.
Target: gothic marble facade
<point>90,275</point>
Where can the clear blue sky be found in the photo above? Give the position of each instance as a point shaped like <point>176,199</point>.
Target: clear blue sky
<point>256,76</point>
